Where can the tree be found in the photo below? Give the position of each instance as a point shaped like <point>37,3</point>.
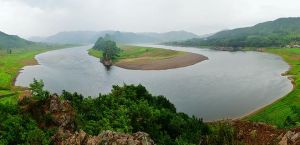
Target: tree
<point>131,108</point>
<point>108,47</point>
<point>37,90</point>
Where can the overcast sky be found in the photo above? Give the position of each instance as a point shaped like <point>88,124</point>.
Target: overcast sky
<point>46,17</point>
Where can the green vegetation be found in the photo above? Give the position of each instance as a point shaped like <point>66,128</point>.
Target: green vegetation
<point>19,128</point>
<point>131,109</point>
<point>132,52</point>
<point>13,41</point>
<point>126,109</point>
<point>109,48</point>
<point>279,33</point>
<point>13,59</point>
<point>284,112</point>
<point>10,65</point>
<point>10,43</point>
<point>95,53</point>
<point>149,52</point>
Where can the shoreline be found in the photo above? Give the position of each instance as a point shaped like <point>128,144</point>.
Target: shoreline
<point>244,116</point>
<point>31,62</point>
<point>289,77</point>
<point>180,61</point>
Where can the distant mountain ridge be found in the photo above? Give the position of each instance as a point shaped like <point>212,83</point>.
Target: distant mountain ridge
<point>87,37</point>
<point>13,41</point>
<point>281,32</point>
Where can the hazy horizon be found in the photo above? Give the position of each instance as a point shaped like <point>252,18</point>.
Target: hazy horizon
<point>28,18</point>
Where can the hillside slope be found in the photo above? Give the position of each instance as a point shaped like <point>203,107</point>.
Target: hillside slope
<point>280,33</point>
<point>13,41</point>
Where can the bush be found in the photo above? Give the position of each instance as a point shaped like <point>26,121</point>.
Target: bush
<point>130,109</point>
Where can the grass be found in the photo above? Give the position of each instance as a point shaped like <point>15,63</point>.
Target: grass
<point>277,112</point>
<point>129,52</point>
<point>9,99</point>
<point>10,65</point>
<point>4,92</point>
<point>95,53</point>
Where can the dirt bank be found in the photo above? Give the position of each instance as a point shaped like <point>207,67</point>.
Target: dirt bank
<point>145,63</point>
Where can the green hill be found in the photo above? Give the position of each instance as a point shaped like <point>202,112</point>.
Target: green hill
<point>13,41</point>
<point>279,33</point>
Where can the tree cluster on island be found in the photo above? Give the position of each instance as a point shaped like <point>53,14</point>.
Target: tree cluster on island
<point>108,48</point>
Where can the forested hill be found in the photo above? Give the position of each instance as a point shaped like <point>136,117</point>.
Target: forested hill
<point>280,33</point>
<point>13,41</point>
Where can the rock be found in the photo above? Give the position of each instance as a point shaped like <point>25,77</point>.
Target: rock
<point>290,138</point>
<point>62,113</point>
<point>63,117</point>
<point>283,141</point>
<point>295,137</point>
<point>289,134</point>
<point>105,138</point>
<point>55,104</point>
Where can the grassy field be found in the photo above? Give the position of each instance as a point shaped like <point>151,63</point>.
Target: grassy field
<point>10,65</point>
<point>133,52</point>
<point>96,53</point>
<point>277,112</point>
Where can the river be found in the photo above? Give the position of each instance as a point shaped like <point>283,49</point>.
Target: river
<point>228,85</point>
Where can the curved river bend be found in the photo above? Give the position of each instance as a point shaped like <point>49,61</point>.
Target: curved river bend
<point>229,84</point>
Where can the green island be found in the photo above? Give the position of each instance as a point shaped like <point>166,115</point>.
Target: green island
<point>149,58</point>
<point>133,52</point>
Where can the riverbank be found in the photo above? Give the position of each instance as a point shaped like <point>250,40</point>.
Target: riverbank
<point>10,66</point>
<point>277,112</point>
<point>148,58</point>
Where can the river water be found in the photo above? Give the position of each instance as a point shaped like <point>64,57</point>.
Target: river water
<point>228,85</point>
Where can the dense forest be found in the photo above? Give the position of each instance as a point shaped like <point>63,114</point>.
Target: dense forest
<point>283,32</point>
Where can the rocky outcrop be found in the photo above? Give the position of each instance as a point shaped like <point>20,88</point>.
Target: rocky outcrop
<point>105,138</point>
<point>52,112</point>
<point>58,113</point>
<point>289,138</point>
<point>62,113</point>
<point>254,133</point>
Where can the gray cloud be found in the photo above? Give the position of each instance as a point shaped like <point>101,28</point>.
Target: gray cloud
<point>46,17</point>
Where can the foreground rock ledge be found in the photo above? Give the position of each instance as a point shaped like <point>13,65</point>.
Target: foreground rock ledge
<point>105,138</point>
<point>63,117</point>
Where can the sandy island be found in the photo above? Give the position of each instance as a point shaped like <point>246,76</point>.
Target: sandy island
<point>182,60</point>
